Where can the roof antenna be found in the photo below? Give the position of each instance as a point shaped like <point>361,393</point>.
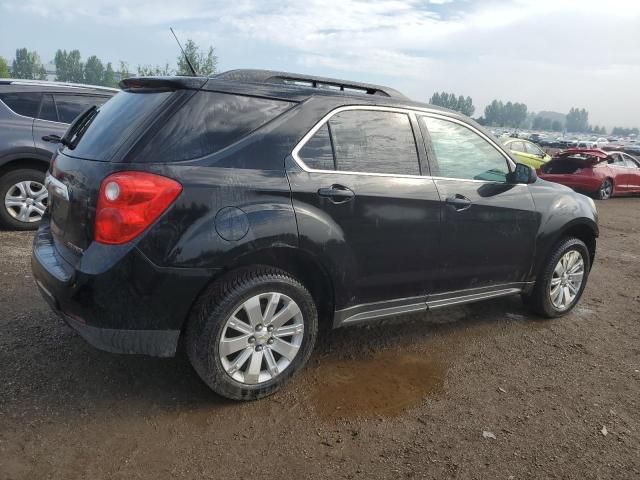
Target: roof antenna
<point>193,70</point>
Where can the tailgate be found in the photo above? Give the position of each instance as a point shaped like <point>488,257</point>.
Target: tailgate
<point>73,186</point>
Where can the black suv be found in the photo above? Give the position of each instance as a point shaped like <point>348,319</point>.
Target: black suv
<point>32,114</point>
<point>244,211</point>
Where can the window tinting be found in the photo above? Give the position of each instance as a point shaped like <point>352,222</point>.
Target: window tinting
<point>22,103</point>
<point>317,153</point>
<point>462,153</point>
<point>207,123</point>
<point>115,122</point>
<point>629,162</point>
<point>374,142</point>
<point>70,106</point>
<point>48,109</point>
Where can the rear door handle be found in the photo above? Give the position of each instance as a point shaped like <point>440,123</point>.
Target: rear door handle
<point>337,193</point>
<point>458,202</point>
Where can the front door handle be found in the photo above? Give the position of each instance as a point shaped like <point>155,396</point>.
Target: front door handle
<point>337,193</point>
<point>458,202</point>
<point>51,138</point>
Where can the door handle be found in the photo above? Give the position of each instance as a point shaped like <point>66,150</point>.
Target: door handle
<point>51,138</point>
<point>458,202</point>
<point>337,193</point>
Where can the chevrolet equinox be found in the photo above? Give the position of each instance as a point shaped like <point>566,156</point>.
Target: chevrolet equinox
<point>242,212</point>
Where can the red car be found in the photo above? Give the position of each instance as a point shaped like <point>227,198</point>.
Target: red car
<point>594,172</point>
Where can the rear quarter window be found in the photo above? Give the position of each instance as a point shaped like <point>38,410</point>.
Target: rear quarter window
<point>207,123</point>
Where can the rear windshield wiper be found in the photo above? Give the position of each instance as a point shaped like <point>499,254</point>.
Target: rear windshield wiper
<point>78,127</point>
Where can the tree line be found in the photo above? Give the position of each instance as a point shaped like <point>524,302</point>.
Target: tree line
<point>515,115</point>
<point>70,66</point>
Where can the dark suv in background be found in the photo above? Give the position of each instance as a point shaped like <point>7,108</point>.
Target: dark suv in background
<point>32,112</point>
<point>240,212</point>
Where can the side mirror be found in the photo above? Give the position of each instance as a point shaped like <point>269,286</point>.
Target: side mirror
<point>522,174</point>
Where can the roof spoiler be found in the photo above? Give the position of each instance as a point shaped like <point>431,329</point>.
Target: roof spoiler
<point>162,83</point>
<point>306,81</point>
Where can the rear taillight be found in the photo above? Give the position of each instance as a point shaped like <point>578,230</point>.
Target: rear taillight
<point>129,202</point>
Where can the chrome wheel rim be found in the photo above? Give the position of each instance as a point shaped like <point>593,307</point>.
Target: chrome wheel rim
<point>606,189</point>
<point>566,280</point>
<point>261,338</point>
<point>26,201</point>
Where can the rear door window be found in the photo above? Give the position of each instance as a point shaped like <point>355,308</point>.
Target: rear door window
<point>70,106</point>
<point>364,141</point>
<point>517,147</point>
<point>22,103</point>
<point>372,141</point>
<point>209,122</point>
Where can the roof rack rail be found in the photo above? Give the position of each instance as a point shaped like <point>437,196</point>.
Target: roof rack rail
<point>306,81</point>
<point>49,83</point>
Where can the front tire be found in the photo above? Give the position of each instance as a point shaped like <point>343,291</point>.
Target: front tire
<point>23,199</point>
<point>251,331</point>
<point>562,280</point>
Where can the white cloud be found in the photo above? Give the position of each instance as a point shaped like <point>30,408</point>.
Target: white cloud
<point>550,54</point>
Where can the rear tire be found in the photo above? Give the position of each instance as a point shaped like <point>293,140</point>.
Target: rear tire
<point>606,190</point>
<point>23,199</point>
<point>556,291</point>
<point>235,349</point>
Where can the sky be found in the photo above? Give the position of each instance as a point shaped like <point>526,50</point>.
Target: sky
<point>549,54</point>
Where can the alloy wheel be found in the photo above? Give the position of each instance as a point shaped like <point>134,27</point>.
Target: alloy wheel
<point>261,338</point>
<point>566,280</point>
<point>26,201</point>
<point>606,190</point>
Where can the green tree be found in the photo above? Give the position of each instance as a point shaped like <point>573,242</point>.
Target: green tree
<point>450,101</point>
<point>624,132</point>
<point>4,69</point>
<point>109,77</point>
<point>154,71</point>
<point>494,113</point>
<point>93,71</point>
<point>577,120</point>
<point>204,63</point>
<point>69,67</point>
<point>27,65</point>
<point>556,126</point>
<point>124,70</point>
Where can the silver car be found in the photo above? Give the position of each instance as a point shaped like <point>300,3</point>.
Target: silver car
<point>33,117</point>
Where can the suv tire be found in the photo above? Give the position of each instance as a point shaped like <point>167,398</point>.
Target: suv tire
<point>213,323</point>
<point>568,259</point>
<point>9,187</point>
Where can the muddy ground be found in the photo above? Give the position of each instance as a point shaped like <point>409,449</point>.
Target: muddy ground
<point>401,399</point>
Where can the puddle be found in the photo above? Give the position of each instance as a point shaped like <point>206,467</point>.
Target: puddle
<point>384,384</point>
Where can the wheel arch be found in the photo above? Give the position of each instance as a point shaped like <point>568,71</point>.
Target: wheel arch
<point>298,263</point>
<point>24,163</point>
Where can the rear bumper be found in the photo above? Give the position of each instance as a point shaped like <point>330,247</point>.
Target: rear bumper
<point>117,300</point>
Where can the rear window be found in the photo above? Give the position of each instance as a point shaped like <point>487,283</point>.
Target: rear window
<point>207,123</point>
<point>115,122</point>
<point>22,103</point>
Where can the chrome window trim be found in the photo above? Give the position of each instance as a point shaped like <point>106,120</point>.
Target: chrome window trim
<point>325,119</point>
<point>413,114</point>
